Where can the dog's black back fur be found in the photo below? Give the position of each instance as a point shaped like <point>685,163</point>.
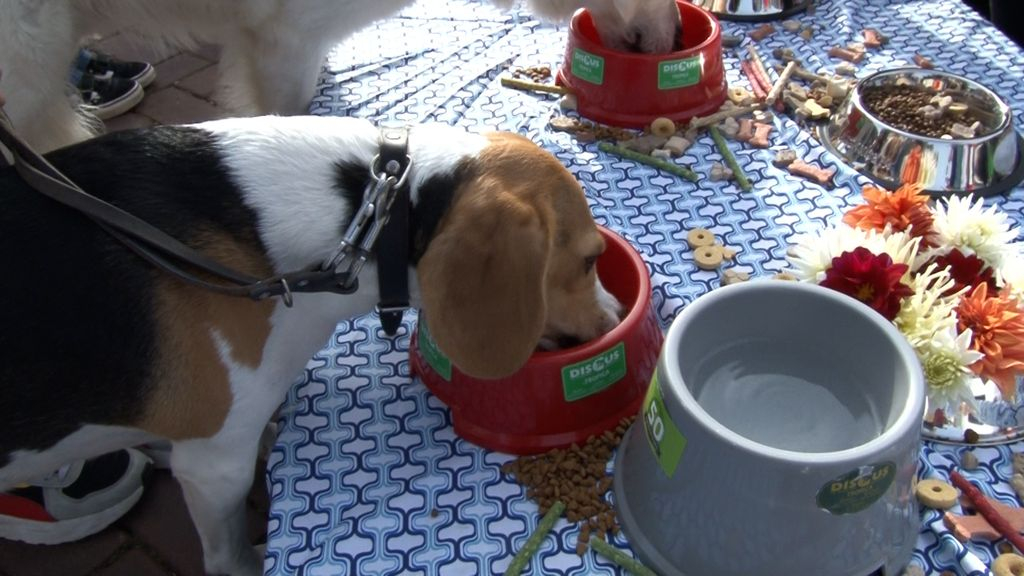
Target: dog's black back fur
<point>76,320</point>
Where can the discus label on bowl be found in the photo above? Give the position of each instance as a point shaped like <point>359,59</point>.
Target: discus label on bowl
<point>679,73</point>
<point>432,354</point>
<point>664,438</point>
<point>857,489</point>
<point>587,66</point>
<point>594,374</point>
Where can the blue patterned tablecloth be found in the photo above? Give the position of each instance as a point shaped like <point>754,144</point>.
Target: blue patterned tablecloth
<point>367,476</point>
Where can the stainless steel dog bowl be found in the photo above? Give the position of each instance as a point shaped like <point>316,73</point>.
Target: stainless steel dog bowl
<point>987,164</point>
<point>753,10</point>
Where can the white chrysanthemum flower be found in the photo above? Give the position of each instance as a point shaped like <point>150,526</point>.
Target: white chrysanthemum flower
<point>1011,274</point>
<point>927,311</point>
<point>811,254</point>
<point>961,222</point>
<point>946,361</point>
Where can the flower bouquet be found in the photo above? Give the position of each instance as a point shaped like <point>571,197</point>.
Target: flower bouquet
<point>950,275</point>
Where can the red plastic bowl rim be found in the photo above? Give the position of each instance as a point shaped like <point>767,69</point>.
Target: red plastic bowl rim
<point>587,44</point>
<point>632,319</point>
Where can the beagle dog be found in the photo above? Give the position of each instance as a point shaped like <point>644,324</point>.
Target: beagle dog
<point>272,50</point>
<point>100,350</point>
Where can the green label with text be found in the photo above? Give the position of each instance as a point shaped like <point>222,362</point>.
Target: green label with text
<point>587,66</point>
<point>679,73</point>
<point>857,489</point>
<point>594,374</point>
<point>433,355</point>
<point>665,440</point>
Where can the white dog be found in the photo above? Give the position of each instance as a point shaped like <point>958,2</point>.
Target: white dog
<point>272,50</point>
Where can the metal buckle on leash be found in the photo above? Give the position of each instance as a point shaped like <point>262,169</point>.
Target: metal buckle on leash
<point>361,234</point>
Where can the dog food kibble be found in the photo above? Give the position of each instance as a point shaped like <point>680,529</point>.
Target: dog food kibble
<point>969,461</point>
<point>577,476</point>
<point>936,494</point>
<point>663,127</point>
<point>1008,565</point>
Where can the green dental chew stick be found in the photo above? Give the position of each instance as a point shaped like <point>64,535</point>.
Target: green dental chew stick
<point>526,553</point>
<point>649,160</point>
<point>619,557</point>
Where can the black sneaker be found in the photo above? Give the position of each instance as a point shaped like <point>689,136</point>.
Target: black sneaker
<point>107,96</point>
<point>76,501</point>
<point>99,64</point>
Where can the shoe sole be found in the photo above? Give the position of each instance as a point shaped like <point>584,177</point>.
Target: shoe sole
<point>117,107</point>
<point>59,532</point>
<point>146,77</point>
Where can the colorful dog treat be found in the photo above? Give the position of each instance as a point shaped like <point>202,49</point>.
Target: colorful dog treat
<point>936,494</point>
<point>873,38</point>
<point>719,172</point>
<point>677,145</point>
<point>733,276</point>
<point>706,121</point>
<point>759,67</point>
<point>761,32</point>
<point>761,132</point>
<point>520,84</point>
<point>819,175</point>
<point>648,160</point>
<point>968,562</point>
<point>780,83</point>
<point>784,157</point>
<point>663,127</point>
<point>730,160</point>
<point>619,557</point>
<point>526,553</point>
<point>699,237</point>
<point>845,54</point>
<point>1008,564</point>
<point>814,110</point>
<point>755,84</point>
<point>976,527</point>
<point>746,130</point>
<point>740,96</point>
<point>986,509</point>
<point>923,62</point>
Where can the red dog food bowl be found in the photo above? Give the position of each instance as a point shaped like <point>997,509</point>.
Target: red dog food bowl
<point>631,90</point>
<point>558,397</point>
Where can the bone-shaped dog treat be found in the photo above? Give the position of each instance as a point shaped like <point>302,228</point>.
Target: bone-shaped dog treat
<point>677,145</point>
<point>814,110</point>
<point>941,102</point>
<point>746,131</point>
<point>923,62</point>
<point>975,526</point>
<point>819,175</point>
<point>958,130</point>
<point>845,54</point>
<point>761,132</point>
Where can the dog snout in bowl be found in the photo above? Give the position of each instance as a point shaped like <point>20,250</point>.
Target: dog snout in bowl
<point>640,26</point>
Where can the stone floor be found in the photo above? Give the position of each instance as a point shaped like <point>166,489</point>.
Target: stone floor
<point>156,538</point>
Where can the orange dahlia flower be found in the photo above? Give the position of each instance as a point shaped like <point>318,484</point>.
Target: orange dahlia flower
<point>997,324</point>
<point>900,209</point>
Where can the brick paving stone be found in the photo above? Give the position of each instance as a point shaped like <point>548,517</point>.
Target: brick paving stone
<point>175,68</point>
<point>176,106</point>
<point>208,52</point>
<point>202,83</point>
<point>128,121</point>
<point>70,559</point>
<point>134,562</point>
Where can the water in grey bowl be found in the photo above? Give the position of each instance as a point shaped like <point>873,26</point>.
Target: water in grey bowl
<point>791,399</point>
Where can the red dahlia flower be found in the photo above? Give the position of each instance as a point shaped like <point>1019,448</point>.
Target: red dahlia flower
<point>874,280</point>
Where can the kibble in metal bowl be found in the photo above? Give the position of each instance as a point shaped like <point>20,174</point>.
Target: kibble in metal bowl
<point>947,133</point>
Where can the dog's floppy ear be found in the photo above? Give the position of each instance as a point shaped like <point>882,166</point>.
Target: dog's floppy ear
<point>482,281</point>
<point>627,8</point>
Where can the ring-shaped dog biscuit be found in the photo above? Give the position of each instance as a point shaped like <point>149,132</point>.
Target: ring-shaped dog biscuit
<point>1008,565</point>
<point>708,257</point>
<point>699,237</point>
<point>936,494</point>
<point>663,127</point>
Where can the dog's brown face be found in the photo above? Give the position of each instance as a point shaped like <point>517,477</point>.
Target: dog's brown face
<point>512,262</point>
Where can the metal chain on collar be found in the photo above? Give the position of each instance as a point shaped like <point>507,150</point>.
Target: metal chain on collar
<point>362,233</point>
